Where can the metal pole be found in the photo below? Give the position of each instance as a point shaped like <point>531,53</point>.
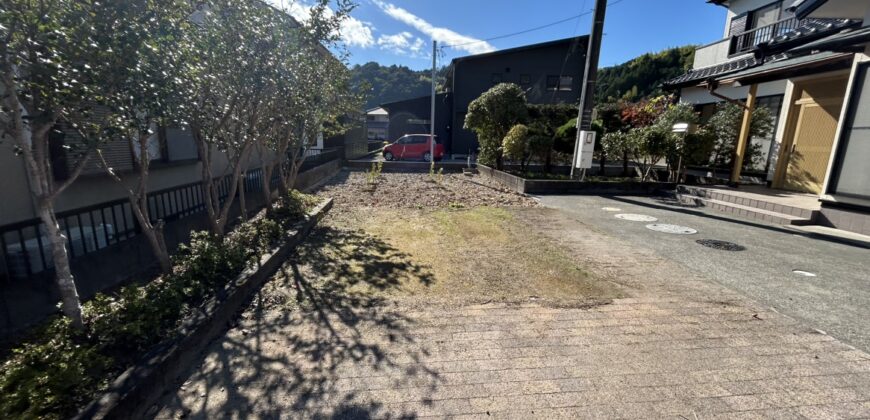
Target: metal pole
<point>432,111</point>
<point>590,75</point>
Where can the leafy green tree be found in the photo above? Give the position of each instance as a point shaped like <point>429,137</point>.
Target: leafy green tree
<point>146,92</point>
<point>610,121</point>
<point>618,143</point>
<point>516,144</point>
<point>724,126</point>
<point>318,93</point>
<point>55,56</point>
<point>231,74</point>
<point>492,115</point>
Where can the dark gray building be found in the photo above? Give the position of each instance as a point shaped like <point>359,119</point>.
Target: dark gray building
<point>550,72</point>
<point>412,116</point>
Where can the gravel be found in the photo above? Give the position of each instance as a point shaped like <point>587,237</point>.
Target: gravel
<point>350,190</point>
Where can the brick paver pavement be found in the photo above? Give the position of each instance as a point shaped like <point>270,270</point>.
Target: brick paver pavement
<point>680,347</point>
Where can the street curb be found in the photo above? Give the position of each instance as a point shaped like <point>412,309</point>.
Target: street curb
<point>559,187</point>
<point>136,390</point>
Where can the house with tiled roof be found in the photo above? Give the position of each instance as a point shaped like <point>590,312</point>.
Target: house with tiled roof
<point>802,60</point>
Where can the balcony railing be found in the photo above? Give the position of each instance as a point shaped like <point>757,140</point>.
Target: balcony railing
<point>749,40</point>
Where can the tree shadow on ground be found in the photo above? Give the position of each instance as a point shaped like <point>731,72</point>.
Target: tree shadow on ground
<point>319,341</point>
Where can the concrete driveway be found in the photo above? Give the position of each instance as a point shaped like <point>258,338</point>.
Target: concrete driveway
<point>836,300</point>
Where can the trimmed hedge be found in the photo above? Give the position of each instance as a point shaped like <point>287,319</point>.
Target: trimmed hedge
<point>60,369</point>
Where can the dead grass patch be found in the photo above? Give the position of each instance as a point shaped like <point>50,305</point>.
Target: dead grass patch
<point>469,256</point>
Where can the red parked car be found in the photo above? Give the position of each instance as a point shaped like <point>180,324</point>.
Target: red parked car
<point>413,146</point>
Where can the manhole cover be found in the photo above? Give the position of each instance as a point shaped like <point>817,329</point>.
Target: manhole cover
<point>803,273</point>
<point>611,209</point>
<point>675,229</point>
<point>721,245</point>
<point>636,217</point>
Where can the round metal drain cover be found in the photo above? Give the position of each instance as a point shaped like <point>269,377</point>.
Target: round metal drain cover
<point>803,273</point>
<point>674,229</point>
<point>611,209</point>
<point>636,217</point>
<point>721,245</point>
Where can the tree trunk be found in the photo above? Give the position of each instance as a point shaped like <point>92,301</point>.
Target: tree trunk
<point>208,189</point>
<point>548,160</point>
<point>32,139</point>
<point>70,303</point>
<point>243,211</point>
<point>267,188</point>
<point>602,165</point>
<point>625,163</point>
<point>139,204</point>
<point>158,245</point>
<point>283,176</point>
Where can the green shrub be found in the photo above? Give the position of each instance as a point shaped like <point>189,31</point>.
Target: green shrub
<point>295,205</point>
<point>60,369</point>
<point>492,115</point>
<point>53,375</point>
<point>516,143</point>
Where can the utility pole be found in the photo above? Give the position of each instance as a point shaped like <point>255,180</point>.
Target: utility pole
<point>432,111</point>
<point>587,94</point>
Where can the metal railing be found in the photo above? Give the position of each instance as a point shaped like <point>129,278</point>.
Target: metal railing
<point>747,41</point>
<point>25,246</point>
<point>25,250</point>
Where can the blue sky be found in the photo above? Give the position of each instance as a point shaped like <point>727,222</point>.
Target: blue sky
<point>400,31</point>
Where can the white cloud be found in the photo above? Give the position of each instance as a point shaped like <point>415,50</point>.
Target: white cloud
<point>402,43</point>
<point>354,32</point>
<point>440,34</point>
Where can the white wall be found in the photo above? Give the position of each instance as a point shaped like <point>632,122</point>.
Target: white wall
<point>859,58</point>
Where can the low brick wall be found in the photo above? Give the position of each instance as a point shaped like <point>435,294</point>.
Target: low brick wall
<point>314,176</point>
<point>552,187</point>
<point>133,393</point>
<point>407,166</point>
<point>513,182</point>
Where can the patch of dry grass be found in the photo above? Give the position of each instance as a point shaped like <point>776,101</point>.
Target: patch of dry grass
<point>450,257</point>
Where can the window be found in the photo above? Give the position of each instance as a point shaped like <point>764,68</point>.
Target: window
<point>851,170</point>
<point>764,16</point>
<point>525,79</point>
<point>562,83</point>
<point>552,82</point>
<point>153,146</point>
<point>766,145</point>
<point>566,83</point>
<point>496,78</point>
<point>180,145</point>
<point>377,134</point>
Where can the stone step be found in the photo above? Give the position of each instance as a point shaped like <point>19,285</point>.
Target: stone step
<point>743,211</point>
<point>736,198</point>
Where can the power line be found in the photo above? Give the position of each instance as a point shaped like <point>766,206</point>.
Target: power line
<point>568,19</point>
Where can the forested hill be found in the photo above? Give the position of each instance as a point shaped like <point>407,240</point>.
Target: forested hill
<point>635,79</point>
<point>642,77</point>
<point>391,83</point>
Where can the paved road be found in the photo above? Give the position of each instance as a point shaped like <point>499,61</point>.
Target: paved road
<point>836,301</point>
<point>677,346</point>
